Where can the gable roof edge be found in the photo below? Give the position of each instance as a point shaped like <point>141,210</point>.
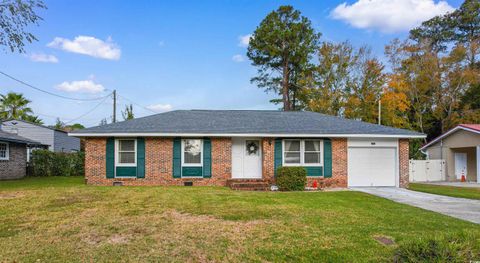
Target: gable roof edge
<point>453,130</point>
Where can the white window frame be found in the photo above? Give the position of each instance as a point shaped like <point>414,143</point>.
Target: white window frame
<point>7,152</point>
<point>117,153</point>
<point>302,153</point>
<point>183,154</point>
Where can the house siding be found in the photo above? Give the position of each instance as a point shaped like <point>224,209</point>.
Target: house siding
<point>57,141</point>
<point>16,166</point>
<point>30,131</point>
<point>460,141</point>
<point>63,143</point>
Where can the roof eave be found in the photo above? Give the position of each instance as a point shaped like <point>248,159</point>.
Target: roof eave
<point>267,135</point>
<point>453,130</point>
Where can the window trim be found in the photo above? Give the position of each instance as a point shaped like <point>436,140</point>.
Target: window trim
<point>117,153</point>
<point>183,154</point>
<point>7,152</point>
<point>302,153</point>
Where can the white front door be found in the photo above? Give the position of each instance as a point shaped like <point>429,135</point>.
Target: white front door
<point>246,158</point>
<point>460,165</point>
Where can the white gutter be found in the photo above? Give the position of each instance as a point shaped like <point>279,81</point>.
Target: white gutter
<point>268,135</point>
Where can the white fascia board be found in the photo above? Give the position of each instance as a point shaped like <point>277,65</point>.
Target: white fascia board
<point>266,135</point>
<point>447,134</point>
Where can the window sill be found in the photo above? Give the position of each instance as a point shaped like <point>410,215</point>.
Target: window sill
<point>126,165</point>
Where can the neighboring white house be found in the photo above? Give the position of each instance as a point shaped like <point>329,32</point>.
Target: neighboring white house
<point>56,140</point>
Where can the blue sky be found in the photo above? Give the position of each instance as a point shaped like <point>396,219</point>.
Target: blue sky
<point>177,54</point>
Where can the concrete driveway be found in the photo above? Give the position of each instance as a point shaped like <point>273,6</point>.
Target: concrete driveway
<point>461,208</point>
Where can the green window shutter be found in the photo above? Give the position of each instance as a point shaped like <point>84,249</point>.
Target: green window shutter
<point>207,158</point>
<point>177,158</point>
<point>110,158</point>
<point>278,155</point>
<point>327,158</point>
<point>140,157</point>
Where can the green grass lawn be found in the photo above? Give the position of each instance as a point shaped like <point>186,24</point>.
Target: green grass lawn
<point>463,192</point>
<point>62,220</point>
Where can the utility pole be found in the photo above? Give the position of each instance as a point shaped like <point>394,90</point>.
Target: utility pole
<point>114,106</point>
<point>379,112</point>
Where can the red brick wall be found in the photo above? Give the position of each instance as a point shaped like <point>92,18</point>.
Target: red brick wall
<point>339,166</point>
<point>403,149</point>
<point>95,162</point>
<point>268,146</point>
<point>158,163</point>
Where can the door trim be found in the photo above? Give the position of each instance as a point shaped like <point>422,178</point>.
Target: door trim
<point>260,156</point>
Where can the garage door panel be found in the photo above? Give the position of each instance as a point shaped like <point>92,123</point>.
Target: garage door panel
<point>369,166</point>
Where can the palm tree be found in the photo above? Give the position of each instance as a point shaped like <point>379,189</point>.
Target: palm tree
<point>33,119</point>
<point>14,106</point>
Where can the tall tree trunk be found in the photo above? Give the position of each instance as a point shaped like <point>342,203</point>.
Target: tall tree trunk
<point>286,98</point>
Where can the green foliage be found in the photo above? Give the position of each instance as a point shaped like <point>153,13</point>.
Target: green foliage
<point>15,17</point>
<point>281,47</point>
<point>14,106</point>
<point>76,126</point>
<point>128,113</point>
<point>461,247</point>
<point>291,178</point>
<point>47,163</point>
<point>32,119</point>
<point>59,125</point>
<point>414,149</point>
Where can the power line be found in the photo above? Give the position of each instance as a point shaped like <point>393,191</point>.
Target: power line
<point>90,111</point>
<point>139,105</point>
<point>48,92</point>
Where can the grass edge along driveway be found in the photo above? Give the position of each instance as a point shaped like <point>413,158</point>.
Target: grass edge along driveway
<point>60,219</point>
<point>461,192</point>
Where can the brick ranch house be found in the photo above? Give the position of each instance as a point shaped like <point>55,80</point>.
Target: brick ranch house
<point>13,155</point>
<point>218,147</point>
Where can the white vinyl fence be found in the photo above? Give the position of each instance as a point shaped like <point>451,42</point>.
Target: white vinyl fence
<point>427,170</point>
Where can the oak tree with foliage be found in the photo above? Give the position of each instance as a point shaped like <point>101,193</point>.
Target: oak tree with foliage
<point>281,48</point>
<point>15,17</point>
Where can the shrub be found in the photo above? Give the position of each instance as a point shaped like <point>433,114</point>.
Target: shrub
<point>47,163</point>
<point>291,178</point>
<point>460,247</point>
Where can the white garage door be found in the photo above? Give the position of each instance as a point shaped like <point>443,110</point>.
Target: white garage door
<point>368,166</point>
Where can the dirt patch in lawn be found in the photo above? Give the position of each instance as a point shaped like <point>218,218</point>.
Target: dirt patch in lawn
<point>387,241</point>
<point>196,232</point>
<point>10,195</point>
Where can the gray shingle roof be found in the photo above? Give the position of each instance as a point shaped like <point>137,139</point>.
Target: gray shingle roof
<point>244,122</point>
<point>10,137</point>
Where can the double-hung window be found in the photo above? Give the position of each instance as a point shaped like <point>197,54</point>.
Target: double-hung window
<point>302,152</point>
<point>126,152</point>
<point>192,152</point>
<point>4,154</point>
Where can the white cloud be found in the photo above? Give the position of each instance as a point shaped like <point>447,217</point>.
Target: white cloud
<point>389,16</point>
<point>238,58</point>
<point>40,57</point>
<point>160,107</point>
<point>89,46</point>
<point>244,40</point>
<point>82,86</point>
